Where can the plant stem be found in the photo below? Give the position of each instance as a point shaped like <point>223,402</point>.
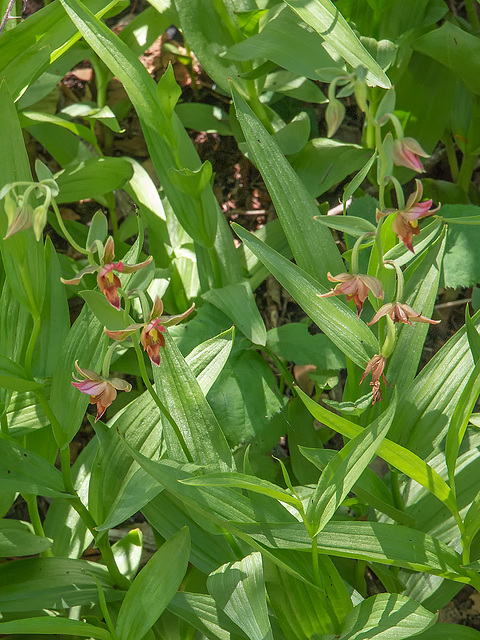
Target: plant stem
<point>156,399</point>
<point>31,345</point>
<point>31,500</point>
<point>67,235</point>
<point>470,8</point>
<point>467,168</point>
<point>4,424</point>
<point>318,579</point>
<point>451,155</point>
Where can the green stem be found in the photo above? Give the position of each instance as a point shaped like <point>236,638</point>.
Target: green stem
<point>113,214</point>
<point>156,399</point>
<point>360,583</point>
<point>67,235</point>
<point>399,193</point>
<point>107,360</point>
<point>282,367</point>
<point>467,168</point>
<point>400,279</point>
<point>4,424</point>
<point>57,429</point>
<point>395,486</point>
<point>216,270</point>
<point>32,505</point>
<point>470,8</point>
<point>378,244</point>
<point>356,252</point>
<point>106,613</point>
<point>31,345</point>
<point>318,579</point>
<point>451,155</point>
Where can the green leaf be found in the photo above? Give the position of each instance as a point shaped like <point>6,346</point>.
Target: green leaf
<point>347,224</point>
<point>248,482</point>
<point>444,632</point>
<point>24,413</point>
<point>369,541</point>
<point>369,487</point>
<point>92,179</point>
<point>456,49</point>
<point>299,607</point>
<point>294,342</point>
<point>386,617</point>
<point>47,625</point>
<point>312,245</point>
<point>106,315</point>
<point>329,23</point>
<point>181,394</point>
<point>53,583</point>
<point>359,178</point>
<point>128,553</point>
<point>98,229</point>
<point>201,611</point>
<point>335,319</point>
<point>13,376</point>
<point>401,458</point>
<point>345,468</point>
<point>204,117</point>
<point>25,471</point>
<point>17,539</point>
<point>237,302</point>
<point>461,269</point>
<point>168,91</point>
<point>154,587</point>
<point>239,590</point>
<point>192,183</point>
<point>206,361</point>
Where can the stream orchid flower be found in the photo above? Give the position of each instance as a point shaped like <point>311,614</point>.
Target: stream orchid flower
<point>356,287</point>
<point>102,391</point>
<point>400,312</point>
<point>108,282</point>
<point>406,152</point>
<point>406,220</point>
<point>375,367</point>
<point>152,337</point>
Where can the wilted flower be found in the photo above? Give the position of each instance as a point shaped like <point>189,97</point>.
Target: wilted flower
<point>107,280</point>
<point>375,367</point>
<point>356,287</point>
<point>405,223</point>
<point>400,312</point>
<point>102,392</point>
<point>405,154</point>
<point>152,331</point>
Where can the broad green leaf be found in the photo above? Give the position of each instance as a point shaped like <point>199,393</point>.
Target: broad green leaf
<point>369,487</point>
<point>23,257</point>
<point>402,256</point>
<point>239,590</point>
<point>290,84</point>
<point>201,611</point>
<point>473,336</point>
<point>288,42</point>
<point>27,472</point>
<point>335,319</point>
<point>210,28</point>
<point>203,117</point>
<point>55,318</point>
<point>92,179</point>
<point>128,553</point>
<point>422,279</point>
<point>428,403</point>
<point>237,302</point>
<point>460,268</point>
<point>53,626</point>
<point>106,315</point>
<point>154,587</point>
<point>13,376</point>
<point>30,118</point>
<point>369,541</point>
<point>206,361</point>
<point>455,48</point>
<point>98,229</point>
<point>295,343</point>
<point>302,610</point>
<point>347,224</point>
<point>359,178</point>
<point>208,550</point>
<point>446,631</point>
<point>399,457</point>
<point>312,245</point>
<point>458,423</point>
<point>159,129</point>
<point>53,583</point>
<point>63,524</point>
<point>248,482</point>
<point>17,539</point>
<point>181,394</point>
<point>345,468</point>
<point>192,182</point>
<point>386,617</point>
<point>118,487</point>
<point>329,23</point>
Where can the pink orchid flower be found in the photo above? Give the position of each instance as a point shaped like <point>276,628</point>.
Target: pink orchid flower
<point>400,312</point>
<point>405,224</point>
<point>108,282</point>
<point>152,337</point>
<point>102,392</point>
<point>406,152</point>
<point>356,287</point>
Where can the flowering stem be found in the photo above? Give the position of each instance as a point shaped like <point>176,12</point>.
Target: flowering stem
<point>356,252</point>
<point>31,345</point>
<point>400,280</point>
<point>32,505</point>
<point>451,155</point>
<point>107,360</point>
<point>67,235</point>
<point>156,399</point>
<point>378,244</point>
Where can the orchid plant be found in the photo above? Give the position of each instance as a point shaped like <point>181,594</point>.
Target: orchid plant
<point>217,457</point>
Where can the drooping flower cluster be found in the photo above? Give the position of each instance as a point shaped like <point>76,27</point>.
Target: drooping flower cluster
<point>375,367</point>
<point>108,282</point>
